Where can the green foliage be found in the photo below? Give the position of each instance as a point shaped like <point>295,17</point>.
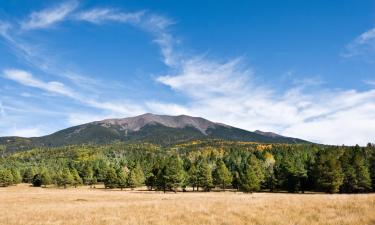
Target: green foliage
<point>16,176</point>
<point>223,176</point>
<point>77,180</point>
<point>193,176</point>
<point>285,167</point>
<point>28,175</point>
<point>171,175</point>
<point>329,175</point>
<point>65,178</point>
<point>6,177</point>
<point>253,176</point>
<point>136,177</point>
<point>122,177</point>
<point>205,179</point>
<point>111,179</point>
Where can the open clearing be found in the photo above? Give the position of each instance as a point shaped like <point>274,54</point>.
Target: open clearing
<point>27,205</point>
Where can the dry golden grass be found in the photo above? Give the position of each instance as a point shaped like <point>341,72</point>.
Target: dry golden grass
<point>27,205</point>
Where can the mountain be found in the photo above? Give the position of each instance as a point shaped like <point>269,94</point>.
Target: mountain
<point>160,129</point>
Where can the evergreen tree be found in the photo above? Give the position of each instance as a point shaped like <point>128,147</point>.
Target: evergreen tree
<point>46,178</point>
<point>328,172</point>
<point>6,178</point>
<point>37,180</point>
<point>122,178</point>
<point>136,177</point>
<point>205,176</point>
<point>172,174</point>
<point>236,181</point>
<point>65,178</point>
<point>253,175</point>
<point>28,175</point>
<point>110,180</point>
<point>77,180</point>
<point>356,173</point>
<point>193,177</point>
<point>88,176</point>
<point>223,176</point>
<point>269,172</point>
<point>16,176</point>
<point>362,174</point>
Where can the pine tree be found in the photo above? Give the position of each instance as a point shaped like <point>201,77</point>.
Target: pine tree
<point>65,178</point>
<point>172,174</point>
<point>205,176</point>
<point>328,172</point>
<point>16,176</point>
<point>193,176</point>
<point>253,175</point>
<point>357,176</point>
<point>6,178</point>
<point>110,180</point>
<point>362,174</point>
<point>136,177</point>
<point>45,177</point>
<point>28,175</point>
<point>222,176</point>
<point>88,176</point>
<point>37,180</point>
<point>122,177</point>
<point>77,180</point>
<point>236,181</point>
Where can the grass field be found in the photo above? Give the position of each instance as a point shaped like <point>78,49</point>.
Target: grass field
<point>27,205</point>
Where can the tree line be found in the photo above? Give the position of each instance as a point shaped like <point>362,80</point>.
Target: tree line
<point>198,166</point>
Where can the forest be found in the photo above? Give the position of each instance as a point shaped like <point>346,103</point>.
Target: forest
<point>196,166</point>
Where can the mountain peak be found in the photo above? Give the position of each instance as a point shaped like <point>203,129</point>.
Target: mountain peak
<point>137,122</point>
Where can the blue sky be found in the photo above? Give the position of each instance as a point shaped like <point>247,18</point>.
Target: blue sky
<point>298,68</point>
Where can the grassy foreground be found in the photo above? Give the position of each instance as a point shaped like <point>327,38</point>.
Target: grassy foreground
<point>27,205</point>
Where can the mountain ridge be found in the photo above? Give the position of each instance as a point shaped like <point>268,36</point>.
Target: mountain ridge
<point>159,129</point>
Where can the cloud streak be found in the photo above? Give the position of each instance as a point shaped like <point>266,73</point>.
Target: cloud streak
<point>363,45</point>
<point>49,17</point>
<point>224,92</point>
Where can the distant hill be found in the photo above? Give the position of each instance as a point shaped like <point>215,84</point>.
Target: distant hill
<point>158,129</point>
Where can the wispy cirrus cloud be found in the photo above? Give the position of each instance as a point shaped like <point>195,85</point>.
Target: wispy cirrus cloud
<point>27,79</point>
<point>50,16</point>
<point>115,107</point>
<point>362,45</point>
<point>226,93</point>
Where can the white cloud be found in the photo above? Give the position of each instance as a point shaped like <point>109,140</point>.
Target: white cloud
<point>49,17</point>
<point>225,92</point>
<point>27,79</point>
<point>155,24</point>
<point>100,15</point>
<point>2,111</point>
<point>362,45</point>
<point>120,108</point>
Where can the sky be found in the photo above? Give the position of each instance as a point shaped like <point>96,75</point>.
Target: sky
<point>298,68</point>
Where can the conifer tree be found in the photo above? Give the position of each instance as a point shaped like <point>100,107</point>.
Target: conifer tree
<point>6,178</point>
<point>122,178</point>
<point>172,174</point>
<point>77,180</point>
<point>110,180</point>
<point>28,175</point>
<point>223,176</point>
<point>329,176</point>
<point>64,178</point>
<point>16,176</point>
<point>253,176</point>
<point>45,177</point>
<point>193,177</point>
<point>205,176</point>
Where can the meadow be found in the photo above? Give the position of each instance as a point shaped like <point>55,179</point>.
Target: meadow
<point>23,204</point>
